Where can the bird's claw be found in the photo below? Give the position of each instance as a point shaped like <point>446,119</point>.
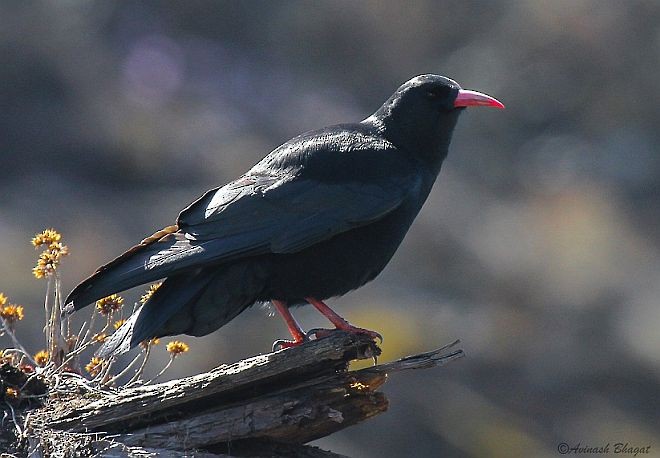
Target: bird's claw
<point>281,344</point>
<point>319,333</point>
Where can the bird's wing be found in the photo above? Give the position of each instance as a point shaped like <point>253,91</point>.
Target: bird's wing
<point>288,215</point>
<point>311,188</point>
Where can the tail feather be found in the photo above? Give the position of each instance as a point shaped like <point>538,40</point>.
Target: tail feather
<point>195,303</point>
<point>173,295</point>
<point>157,258</point>
<point>119,342</point>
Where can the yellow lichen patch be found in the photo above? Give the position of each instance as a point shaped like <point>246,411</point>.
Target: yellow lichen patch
<point>109,304</point>
<point>177,347</point>
<point>150,292</point>
<point>94,365</point>
<point>41,358</point>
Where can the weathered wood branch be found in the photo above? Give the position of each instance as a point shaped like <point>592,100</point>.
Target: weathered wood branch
<point>267,405</point>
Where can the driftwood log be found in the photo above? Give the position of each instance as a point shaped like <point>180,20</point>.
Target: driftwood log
<point>266,405</point>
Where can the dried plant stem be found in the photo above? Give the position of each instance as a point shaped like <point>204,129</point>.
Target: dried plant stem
<point>18,347</point>
<point>13,419</point>
<point>104,372</point>
<point>47,308</point>
<point>70,356</point>
<point>167,366</point>
<point>125,370</point>
<point>65,325</point>
<point>138,373</point>
<point>54,337</point>
<point>10,332</point>
<point>90,329</point>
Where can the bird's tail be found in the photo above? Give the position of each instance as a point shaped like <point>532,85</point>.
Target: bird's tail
<point>175,293</point>
<point>195,303</point>
<point>167,253</point>
<point>126,271</point>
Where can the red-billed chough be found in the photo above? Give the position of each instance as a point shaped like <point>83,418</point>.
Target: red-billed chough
<point>319,216</point>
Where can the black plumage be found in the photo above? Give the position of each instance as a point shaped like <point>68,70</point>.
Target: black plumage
<point>319,216</point>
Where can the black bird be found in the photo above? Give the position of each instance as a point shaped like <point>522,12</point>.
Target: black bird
<point>319,216</point>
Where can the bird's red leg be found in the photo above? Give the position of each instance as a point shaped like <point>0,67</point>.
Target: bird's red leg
<point>338,321</point>
<point>296,331</point>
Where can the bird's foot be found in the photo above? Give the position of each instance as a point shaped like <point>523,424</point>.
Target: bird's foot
<point>281,344</point>
<point>320,333</point>
<point>339,322</point>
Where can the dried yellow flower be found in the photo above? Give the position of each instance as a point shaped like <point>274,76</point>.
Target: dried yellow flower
<point>117,324</point>
<point>49,260</point>
<point>12,393</point>
<point>100,337</point>
<point>12,313</point>
<point>146,343</point>
<point>58,249</point>
<point>46,237</point>
<point>150,292</point>
<point>41,358</point>
<point>39,272</point>
<point>176,347</point>
<point>109,304</point>
<point>94,366</point>
<point>3,299</point>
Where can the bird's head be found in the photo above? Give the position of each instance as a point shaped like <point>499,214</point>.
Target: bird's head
<point>420,116</point>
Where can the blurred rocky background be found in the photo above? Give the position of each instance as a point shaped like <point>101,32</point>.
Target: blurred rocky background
<point>538,247</point>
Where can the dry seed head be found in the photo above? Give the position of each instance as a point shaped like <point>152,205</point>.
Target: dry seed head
<point>46,237</point>
<point>109,304</point>
<point>176,347</point>
<point>150,342</point>
<point>5,358</point>
<point>94,366</point>
<point>59,250</point>
<point>50,258</point>
<point>46,264</point>
<point>12,313</point>
<point>150,292</point>
<point>100,337</point>
<point>41,358</point>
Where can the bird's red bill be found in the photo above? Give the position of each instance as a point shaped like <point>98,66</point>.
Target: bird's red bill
<point>468,98</point>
